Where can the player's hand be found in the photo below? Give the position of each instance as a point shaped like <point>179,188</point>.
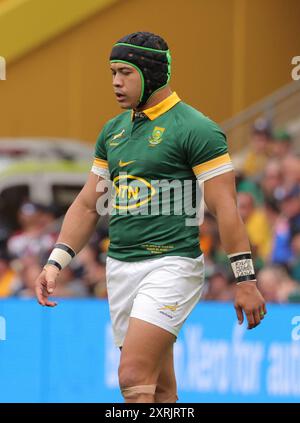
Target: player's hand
<point>45,285</point>
<point>249,299</point>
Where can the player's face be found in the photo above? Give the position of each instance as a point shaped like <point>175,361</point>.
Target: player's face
<point>127,85</point>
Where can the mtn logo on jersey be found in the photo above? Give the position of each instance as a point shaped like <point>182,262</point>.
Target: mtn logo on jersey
<point>156,137</point>
<point>131,192</point>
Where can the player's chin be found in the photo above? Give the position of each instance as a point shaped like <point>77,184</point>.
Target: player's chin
<point>123,102</point>
<point>126,103</point>
<point>125,106</point>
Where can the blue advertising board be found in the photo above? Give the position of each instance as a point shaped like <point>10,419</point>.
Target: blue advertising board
<point>66,354</point>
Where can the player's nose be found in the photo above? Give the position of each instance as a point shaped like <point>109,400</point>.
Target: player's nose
<point>117,81</point>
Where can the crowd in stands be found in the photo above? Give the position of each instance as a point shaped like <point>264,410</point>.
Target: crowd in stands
<point>25,251</point>
<point>268,194</point>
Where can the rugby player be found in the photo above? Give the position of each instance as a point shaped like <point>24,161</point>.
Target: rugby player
<point>155,267</point>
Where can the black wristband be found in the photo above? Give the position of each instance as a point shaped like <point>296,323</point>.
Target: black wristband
<point>242,266</point>
<point>66,248</point>
<point>54,263</point>
<point>246,278</point>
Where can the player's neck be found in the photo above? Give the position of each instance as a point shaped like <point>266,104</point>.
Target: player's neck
<point>158,97</point>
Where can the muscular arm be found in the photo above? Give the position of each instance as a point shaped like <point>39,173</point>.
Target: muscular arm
<point>79,224</point>
<point>220,198</point>
<point>81,218</point>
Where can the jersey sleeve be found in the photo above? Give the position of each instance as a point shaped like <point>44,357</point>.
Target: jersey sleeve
<point>207,151</point>
<point>100,164</point>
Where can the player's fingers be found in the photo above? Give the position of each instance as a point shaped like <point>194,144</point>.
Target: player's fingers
<point>51,275</point>
<point>43,298</point>
<point>261,313</point>
<point>239,314</point>
<point>50,286</point>
<point>50,303</point>
<point>264,308</point>
<point>41,290</point>
<point>257,317</point>
<point>250,319</point>
<point>40,293</point>
<point>45,294</point>
<point>39,296</point>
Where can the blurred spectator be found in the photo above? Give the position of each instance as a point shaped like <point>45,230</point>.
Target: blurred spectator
<point>219,287</point>
<point>275,284</point>
<point>7,275</point>
<point>28,269</point>
<point>290,207</point>
<point>94,274</point>
<point>287,225</point>
<point>290,166</point>
<point>281,252</point>
<point>47,216</point>
<point>295,262</point>
<point>282,144</point>
<point>32,238</point>
<point>208,234</point>
<point>251,187</point>
<point>68,285</point>
<point>260,148</point>
<point>257,225</point>
<point>272,180</point>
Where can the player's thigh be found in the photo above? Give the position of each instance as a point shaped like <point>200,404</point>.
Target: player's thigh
<point>143,352</point>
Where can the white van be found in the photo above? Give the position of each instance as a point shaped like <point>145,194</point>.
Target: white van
<point>44,171</point>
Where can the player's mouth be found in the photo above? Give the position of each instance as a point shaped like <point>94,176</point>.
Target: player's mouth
<point>120,96</point>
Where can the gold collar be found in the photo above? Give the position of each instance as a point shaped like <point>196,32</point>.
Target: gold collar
<point>160,108</point>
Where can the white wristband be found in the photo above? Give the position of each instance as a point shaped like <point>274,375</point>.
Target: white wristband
<point>61,256</point>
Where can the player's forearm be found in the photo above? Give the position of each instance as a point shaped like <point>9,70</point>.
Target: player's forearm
<point>232,230</point>
<point>78,225</point>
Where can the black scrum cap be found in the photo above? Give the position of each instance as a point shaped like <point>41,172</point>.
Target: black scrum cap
<point>150,55</point>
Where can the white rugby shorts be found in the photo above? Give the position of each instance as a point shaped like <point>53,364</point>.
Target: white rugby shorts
<point>162,291</point>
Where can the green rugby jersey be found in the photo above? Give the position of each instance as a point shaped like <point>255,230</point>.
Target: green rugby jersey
<point>143,154</point>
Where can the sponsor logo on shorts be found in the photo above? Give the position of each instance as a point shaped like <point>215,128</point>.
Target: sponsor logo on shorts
<point>170,308</point>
